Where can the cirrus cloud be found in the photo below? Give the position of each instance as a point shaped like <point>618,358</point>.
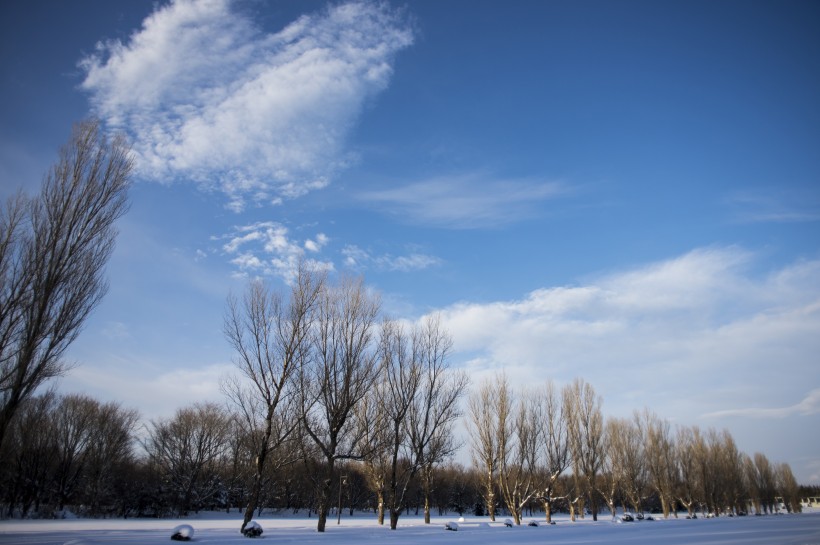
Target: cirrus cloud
<point>208,96</point>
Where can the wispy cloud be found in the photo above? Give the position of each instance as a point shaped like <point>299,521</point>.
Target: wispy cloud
<point>775,206</point>
<point>807,406</point>
<point>464,201</point>
<point>359,259</point>
<point>208,96</point>
<point>266,249</point>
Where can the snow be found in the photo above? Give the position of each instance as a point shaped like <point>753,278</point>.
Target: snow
<point>800,529</point>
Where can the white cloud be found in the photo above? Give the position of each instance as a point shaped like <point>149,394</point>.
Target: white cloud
<point>464,201</point>
<point>266,248</point>
<point>692,335</point>
<point>208,96</point>
<point>317,244</point>
<point>357,258</point>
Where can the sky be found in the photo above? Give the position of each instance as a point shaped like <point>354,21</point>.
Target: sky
<point>627,192</point>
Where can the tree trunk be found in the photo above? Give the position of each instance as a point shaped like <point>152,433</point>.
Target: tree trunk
<point>547,509</point>
<point>426,508</point>
<point>394,518</point>
<point>380,508</point>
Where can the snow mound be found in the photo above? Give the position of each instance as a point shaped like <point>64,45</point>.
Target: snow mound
<point>252,529</point>
<point>451,526</point>
<point>183,532</point>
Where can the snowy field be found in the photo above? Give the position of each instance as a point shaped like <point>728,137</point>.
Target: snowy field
<point>802,529</point>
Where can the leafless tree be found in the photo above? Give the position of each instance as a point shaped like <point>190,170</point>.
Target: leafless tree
<point>555,446</point>
<point>659,450</point>
<point>110,448</point>
<point>762,481</point>
<point>270,334</point>
<point>74,427</point>
<point>435,408</point>
<point>341,369</point>
<point>484,425</point>
<point>586,432</point>
<point>376,441</point>
<point>689,447</point>
<point>187,449</point>
<point>517,450</point>
<point>53,251</point>
<point>402,376</point>
<point>788,488</point>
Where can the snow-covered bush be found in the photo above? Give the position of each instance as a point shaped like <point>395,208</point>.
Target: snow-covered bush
<point>183,532</point>
<point>451,526</point>
<point>532,523</point>
<point>252,529</point>
<point>508,523</point>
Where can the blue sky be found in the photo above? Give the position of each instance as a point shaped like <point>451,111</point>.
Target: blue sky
<point>623,191</point>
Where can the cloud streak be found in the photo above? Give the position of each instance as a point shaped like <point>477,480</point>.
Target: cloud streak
<point>209,97</point>
<point>464,201</point>
<point>807,406</point>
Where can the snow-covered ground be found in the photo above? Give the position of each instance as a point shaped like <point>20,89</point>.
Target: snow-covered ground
<point>802,529</point>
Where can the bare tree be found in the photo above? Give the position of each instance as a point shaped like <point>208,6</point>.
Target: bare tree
<point>435,408</point>
<point>659,449</point>
<point>53,251</point>
<point>73,422</point>
<point>689,446</point>
<point>270,335</point>
<point>187,450</point>
<point>788,488</point>
<point>483,408</point>
<point>376,441</point>
<point>401,375</point>
<point>517,450</point>
<point>554,443</point>
<point>586,431</point>
<point>110,448</point>
<point>763,483</point>
<point>340,371</point>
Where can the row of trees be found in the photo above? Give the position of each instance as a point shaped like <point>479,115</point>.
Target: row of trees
<point>548,445</point>
<point>74,452</point>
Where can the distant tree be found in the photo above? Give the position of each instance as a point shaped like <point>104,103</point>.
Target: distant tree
<point>30,455</point>
<point>659,451</point>
<point>689,445</point>
<point>486,423</point>
<point>74,428</point>
<point>517,450</point>
<point>271,337</point>
<point>188,449</point>
<point>555,446</point>
<point>53,251</point>
<point>586,433</point>
<point>788,488</point>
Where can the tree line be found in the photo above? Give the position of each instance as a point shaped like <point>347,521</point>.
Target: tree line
<point>71,452</point>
